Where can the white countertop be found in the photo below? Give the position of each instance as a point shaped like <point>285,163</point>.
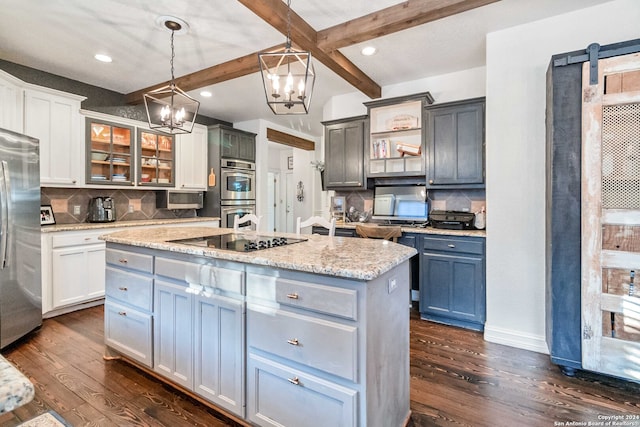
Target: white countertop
<point>349,257</point>
<point>120,224</point>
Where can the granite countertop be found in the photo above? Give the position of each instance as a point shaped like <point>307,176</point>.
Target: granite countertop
<point>422,230</point>
<point>363,259</point>
<point>15,388</point>
<point>120,224</point>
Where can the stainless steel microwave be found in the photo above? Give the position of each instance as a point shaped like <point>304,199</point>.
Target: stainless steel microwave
<point>179,199</point>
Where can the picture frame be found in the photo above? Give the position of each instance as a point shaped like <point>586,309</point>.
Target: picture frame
<point>338,204</point>
<point>46,215</point>
<point>290,162</point>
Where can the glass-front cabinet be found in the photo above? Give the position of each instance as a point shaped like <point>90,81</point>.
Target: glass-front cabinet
<point>396,138</point>
<point>109,153</point>
<point>156,159</point>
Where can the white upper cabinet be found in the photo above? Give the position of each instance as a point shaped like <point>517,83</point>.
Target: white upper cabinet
<point>191,159</point>
<point>11,103</point>
<point>54,118</point>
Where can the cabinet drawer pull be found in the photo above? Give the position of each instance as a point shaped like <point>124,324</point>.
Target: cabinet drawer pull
<point>123,261</point>
<point>123,288</point>
<point>294,380</point>
<point>292,296</point>
<point>87,238</point>
<point>122,313</point>
<point>293,341</point>
<point>451,245</point>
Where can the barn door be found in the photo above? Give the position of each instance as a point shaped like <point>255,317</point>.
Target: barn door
<point>611,218</point>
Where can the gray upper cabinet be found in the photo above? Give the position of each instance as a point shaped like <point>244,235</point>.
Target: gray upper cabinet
<point>455,141</point>
<point>237,144</point>
<point>344,153</point>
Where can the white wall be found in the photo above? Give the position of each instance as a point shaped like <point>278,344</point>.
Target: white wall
<point>302,170</point>
<point>517,60</point>
<point>445,88</point>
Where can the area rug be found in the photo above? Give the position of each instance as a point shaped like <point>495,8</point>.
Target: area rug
<point>48,419</point>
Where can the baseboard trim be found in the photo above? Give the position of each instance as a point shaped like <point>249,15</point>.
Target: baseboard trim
<point>516,339</point>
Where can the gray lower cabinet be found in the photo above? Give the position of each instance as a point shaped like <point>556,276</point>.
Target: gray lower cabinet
<point>219,351</point>
<point>453,281</point>
<point>455,141</point>
<point>320,352</point>
<point>274,347</point>
<point>128,309</point>
<point>172,331</point>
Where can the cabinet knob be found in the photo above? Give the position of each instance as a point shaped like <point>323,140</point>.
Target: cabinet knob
<point>294,380</point>
<point>292,296</point>
<point>123,261</point>
<point>451,245</point>
<point>430,181</point>
<point>73,181</point>
<point>293,341</point>
<point>123,288</point>
<point>122,313</point>
<point>87,239</point>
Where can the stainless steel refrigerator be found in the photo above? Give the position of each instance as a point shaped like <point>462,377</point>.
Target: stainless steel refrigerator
<point>20,270</point>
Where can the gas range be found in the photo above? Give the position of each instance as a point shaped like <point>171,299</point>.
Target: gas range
<point>239,242</point>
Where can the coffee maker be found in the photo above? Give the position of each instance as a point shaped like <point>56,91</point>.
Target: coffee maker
<point>101,209</point>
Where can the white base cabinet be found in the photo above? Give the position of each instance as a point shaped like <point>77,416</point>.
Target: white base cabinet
<point>77,268</point>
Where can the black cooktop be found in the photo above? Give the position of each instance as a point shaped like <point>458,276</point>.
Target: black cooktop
<point>239,242</point>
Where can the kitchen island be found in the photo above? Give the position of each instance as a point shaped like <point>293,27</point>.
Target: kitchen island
<point>313,333</point>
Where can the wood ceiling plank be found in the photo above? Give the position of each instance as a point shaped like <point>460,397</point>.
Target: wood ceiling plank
<point>289,140</point>
<point>396,18</point>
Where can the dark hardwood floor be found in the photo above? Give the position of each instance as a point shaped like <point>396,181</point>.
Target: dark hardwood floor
<point>457,379</point>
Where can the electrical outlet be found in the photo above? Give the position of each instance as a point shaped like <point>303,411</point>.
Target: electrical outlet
<point>76,209</point>
<point>130,210</point>
<point>392,284</point>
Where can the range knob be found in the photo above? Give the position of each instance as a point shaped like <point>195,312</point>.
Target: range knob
<point>262,244</point>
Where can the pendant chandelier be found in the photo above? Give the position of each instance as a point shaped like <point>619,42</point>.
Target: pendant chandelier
<point>169,109</point>
<point>288,76</point>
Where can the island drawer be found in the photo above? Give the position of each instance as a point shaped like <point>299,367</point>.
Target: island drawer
<point>134,261</point>
<point>449,244</point>
<point>324,299</point>
<point>308,400</point>
<point>225,279</point>
<point>329,346</point>
<point>128,331</point>
<point>130,288</point>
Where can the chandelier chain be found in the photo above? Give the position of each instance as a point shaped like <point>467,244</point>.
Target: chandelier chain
<point>288,46</point>
<point>173,55</point>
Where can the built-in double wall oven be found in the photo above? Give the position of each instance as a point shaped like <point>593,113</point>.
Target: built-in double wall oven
<point>238,190</point>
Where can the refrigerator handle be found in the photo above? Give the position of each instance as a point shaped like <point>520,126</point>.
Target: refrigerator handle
<point>4,212</point>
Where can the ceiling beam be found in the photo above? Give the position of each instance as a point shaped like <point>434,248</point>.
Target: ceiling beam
<point>323,45</point>
<point>274,12</point>
<point>396,18</point>
<point>229,70</point>
<point>290,140</point>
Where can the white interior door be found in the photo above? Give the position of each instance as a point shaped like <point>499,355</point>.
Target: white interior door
<point>289,197</point>
<point>611,218</point>
<point>272,200</point>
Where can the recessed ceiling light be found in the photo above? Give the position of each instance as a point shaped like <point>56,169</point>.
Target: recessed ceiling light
<point>102,57</point>
<point>205,93</point>
<point>369,50</point>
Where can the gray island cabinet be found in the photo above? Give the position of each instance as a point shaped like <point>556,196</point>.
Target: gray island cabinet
<point>315,333</point>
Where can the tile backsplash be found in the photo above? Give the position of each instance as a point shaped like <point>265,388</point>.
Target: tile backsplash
<point>450,200</point>
<point>130,204</point>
